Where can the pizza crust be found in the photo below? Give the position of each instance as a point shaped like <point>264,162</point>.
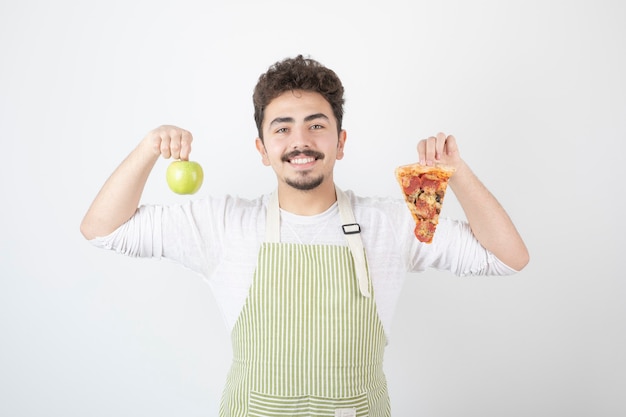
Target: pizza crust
<point>444,171</point>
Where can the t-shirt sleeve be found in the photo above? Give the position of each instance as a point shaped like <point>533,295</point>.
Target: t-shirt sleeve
<point>456,249</point>
<point>186,234</point>
<point>138,237</point>
<point>197,234</point>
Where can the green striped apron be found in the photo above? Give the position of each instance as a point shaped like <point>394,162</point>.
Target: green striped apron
<point>308,341</point>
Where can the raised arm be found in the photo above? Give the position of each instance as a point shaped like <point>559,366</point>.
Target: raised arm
<point>488,220</point>
<point>119,197</point>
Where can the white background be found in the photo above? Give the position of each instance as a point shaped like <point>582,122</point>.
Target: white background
<point>534,90</point>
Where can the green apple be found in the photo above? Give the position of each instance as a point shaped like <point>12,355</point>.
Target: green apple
<point>184,177</point>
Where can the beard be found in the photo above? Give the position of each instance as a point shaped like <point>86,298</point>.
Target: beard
<point>305,182</point>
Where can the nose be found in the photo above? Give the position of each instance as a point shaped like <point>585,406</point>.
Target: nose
<point>300,138</point>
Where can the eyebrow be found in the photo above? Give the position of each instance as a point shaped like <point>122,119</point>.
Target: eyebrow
<point>292,120</point>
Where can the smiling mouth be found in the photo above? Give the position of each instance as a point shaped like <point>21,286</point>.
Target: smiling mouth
<point>302,157</point>
<point>301,161</point>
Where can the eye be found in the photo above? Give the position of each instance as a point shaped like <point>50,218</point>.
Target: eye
<point>317,126</point>
<point>281,130</point>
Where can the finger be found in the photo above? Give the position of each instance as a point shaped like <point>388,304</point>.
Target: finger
<point>175,141</point>
<point>440,144</point>
<point>185,145</point>
<point>451,147</point>
<point>430,150</point>
<point>165,145</point>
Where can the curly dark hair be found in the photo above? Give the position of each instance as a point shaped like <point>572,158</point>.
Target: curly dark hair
<point>297,73</point>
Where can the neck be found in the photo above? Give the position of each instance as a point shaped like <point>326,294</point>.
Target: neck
<point>307,203</point>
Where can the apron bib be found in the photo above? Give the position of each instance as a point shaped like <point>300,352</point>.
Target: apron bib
<point>308,341</point>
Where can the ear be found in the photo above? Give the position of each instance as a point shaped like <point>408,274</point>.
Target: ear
<point>260,147</point>
<point>343,135</point>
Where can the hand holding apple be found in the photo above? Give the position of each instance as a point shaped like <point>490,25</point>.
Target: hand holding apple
<point>184,177</point>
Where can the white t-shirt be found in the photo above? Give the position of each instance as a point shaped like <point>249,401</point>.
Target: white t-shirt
<point>220,237</point>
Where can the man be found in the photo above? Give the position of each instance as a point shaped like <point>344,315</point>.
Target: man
<point>309,315</point>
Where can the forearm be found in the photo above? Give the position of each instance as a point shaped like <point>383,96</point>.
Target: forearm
<point>488,220</point>
<point>119,197</point>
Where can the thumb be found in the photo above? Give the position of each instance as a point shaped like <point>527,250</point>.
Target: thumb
<point>451,147</point>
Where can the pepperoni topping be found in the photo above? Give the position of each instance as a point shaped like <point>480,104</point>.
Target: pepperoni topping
<point>430,185</point>
<point>424,209</point>
<point>424,231</point>
<point>415,184</point>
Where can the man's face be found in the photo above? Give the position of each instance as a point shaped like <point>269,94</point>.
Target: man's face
<point>301,142</point>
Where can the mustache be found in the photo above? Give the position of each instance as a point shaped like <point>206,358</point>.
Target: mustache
<point>306,152</point>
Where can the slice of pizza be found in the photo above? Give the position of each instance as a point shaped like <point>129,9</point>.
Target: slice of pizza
<point>424,188</point>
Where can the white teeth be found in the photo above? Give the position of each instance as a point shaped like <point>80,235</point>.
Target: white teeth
<point>302,160</point>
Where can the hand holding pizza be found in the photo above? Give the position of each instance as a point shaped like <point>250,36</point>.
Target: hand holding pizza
<point>424,184</point>
<point>439,149</point>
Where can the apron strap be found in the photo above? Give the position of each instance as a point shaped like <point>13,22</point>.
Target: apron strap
<point>351,230</point>
<point>272,221</point>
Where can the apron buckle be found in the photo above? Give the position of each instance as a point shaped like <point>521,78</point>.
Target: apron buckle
<point>351,228</point>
